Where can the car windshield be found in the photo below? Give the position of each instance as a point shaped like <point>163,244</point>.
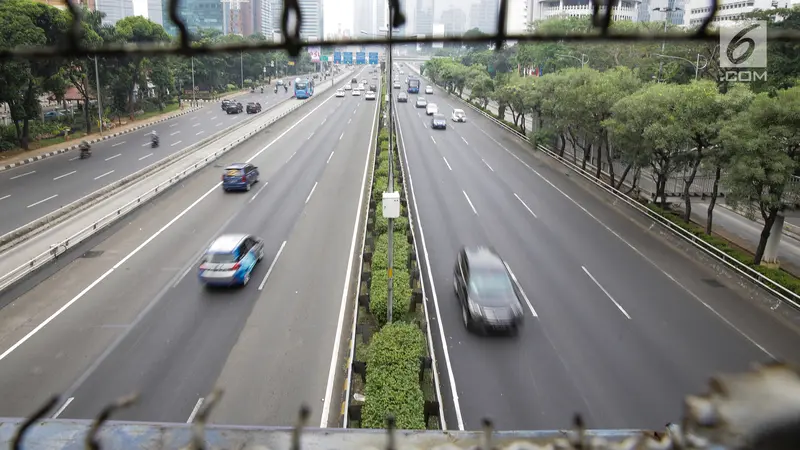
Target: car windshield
<point>220,258</point>
<point>459,113</point>
<point>300,85</point>
<point>491,287</point>
<point>438,117</point>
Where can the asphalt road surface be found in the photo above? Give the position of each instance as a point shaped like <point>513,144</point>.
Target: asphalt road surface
<point>149,327</point>
<point>31,191</point>
<point>619,326</point>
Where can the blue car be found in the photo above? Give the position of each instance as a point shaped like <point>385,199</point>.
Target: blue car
<point>230,260</point>
<point>239,177</point>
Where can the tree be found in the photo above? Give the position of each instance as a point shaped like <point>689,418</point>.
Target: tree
<point>80,71</point>
<point>783,64</point>
<point>765,141</point>
<point>137,30</point>
<point>476,33</point>
<point>645,122</point>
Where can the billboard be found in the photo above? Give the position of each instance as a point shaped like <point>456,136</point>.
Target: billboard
<point>373,57</point>
<point>337,57</point>
<point>361,58</point>
<point>438,32</point>
<point>348,57</point>
<point>314,53</point>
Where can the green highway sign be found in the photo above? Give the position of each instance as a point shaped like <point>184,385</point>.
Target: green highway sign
<point>324,58</point>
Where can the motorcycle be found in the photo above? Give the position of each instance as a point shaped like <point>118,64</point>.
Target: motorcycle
<point>276,89</point>
<point>285,89</point>
<point>154,142</point>
<point>262,90</point>
<point>85,153</point>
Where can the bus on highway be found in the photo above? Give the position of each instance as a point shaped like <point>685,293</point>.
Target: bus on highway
<point>303,88</point>
<point>413,85</point>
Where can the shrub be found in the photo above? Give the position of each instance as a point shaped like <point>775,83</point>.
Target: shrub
<point>382,224</point>
<point>379,293</point>
<point>380,257</point>
<point>393,378</point>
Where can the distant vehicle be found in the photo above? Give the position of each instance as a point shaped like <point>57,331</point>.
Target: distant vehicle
<point>396,85</point>
<point>356,92</point>
<point>364,81</point>
<point>230,260</point>
<point>234,108</point>
<point>402,97</point>
<point>253,108</point>
<point>347,87</point>
<point>279,83</point>
<point>421,102</point>
<point>413,85</point>
<point>373,88</point>
<point>303,88</point>
<point>489,298</point>
<point>429,90</point>
<point>340,93</point>
<point>439,121</point>
<point>369,95</point>
<point>431,109</point>
<point>239,177</point>
<point>53,115</point>
<point>459,115</point>
<point>374,77</point>
<point>354,81</point>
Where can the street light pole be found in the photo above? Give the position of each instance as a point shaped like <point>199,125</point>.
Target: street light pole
<point>99,102</point>
<point>241,66</point>
<point>390,299</point>
<point>667,12</point>
<point>194,99</point>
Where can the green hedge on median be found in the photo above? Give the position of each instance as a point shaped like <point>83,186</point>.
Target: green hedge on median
<point>393,365</point>
<point>392,381</point>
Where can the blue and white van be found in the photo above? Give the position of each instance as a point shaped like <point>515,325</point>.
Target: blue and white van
<point>230,260</point>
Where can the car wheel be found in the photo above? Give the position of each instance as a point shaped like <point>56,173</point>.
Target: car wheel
<point>246,279</point>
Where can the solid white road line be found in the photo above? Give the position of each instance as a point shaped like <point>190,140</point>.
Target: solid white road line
<point>271,266</point>
<point>525,205</point>
<point>63,407</point>
<point>195,410</point>
<point>62,176</point>
<point>107,173</point>
<point>337,340</point>
<point>42,201</point>
<point>146,156</point>
<point>147,241</point>
<point>5,197</point>
<point>118,143</point>
<point>311,193</point>
<point>605,292</point>
<point>173,145</point>
<point>115,156</point>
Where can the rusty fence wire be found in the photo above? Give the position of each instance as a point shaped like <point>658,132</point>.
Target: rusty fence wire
<point>601,19</point>
<point>758,409</point>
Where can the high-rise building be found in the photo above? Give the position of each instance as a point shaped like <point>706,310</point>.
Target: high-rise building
<point>197,14</point>
<point>516,16</point>
<point>155,11</point>
<point>114,10</point>
<point>423,15</point>
<point>312,27</point>
<point>277,14</point>
<point>546,9</point>
<point>483,15</point>
<point>729,12</point>
<point>265,18</point>
<point>364,19</point>
<point>454,21</point>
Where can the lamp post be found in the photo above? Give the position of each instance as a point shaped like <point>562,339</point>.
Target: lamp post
<point>241,67</point>
<point>667,12</point>
<point>99,103</point>
<point>194,98</point>
<point>584,59</point>
<point>696,64</point>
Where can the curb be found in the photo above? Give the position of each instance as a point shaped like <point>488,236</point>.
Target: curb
<point>92,141</point>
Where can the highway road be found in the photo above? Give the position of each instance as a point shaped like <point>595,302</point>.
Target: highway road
<point>619,326</point>
<point>148,326</point>
<point>31,191</point>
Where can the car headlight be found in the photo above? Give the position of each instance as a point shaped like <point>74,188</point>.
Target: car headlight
<point>474,309</point>
<point>516,308</point>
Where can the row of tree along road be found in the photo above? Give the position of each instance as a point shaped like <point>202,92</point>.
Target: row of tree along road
<point>625,107</point>
<point>129,86</point>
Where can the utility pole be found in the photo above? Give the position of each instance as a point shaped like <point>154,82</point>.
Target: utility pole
<point>390,264</point>
<point>99,103</point>
<point>194,99</point>
<point>241,66</point>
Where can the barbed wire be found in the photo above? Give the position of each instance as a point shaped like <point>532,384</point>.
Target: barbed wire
<point>759,409</point>
<point>601,20</point>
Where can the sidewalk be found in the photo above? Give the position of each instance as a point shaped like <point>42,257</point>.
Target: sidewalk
<point>14,157</point>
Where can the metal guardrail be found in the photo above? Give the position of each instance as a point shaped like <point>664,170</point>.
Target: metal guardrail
<point>781,293</point>
<point>63,246</point>
<point>759,409</point>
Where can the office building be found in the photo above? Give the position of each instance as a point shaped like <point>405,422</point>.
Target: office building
<point>547,9</point>
<point>197,14</point>
<point>423,15</point>
<point>265,18</point>
<point>364,19</point>
<point>114,10</point>
<point>312,27</point>
<point>454,21</point>
<point>729,12</point>
<point>155,11</point>
<point>483,15</point>
<point>516,16</point>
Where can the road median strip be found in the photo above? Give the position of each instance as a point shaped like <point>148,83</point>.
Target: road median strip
<point>391,370</point>
<point>190,160</point>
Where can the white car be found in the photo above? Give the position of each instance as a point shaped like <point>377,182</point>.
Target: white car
<point>356,92</point>
<point>364,81</point>
<point>339,93</point>
<point>431,109</point>
<point>369,95</point>
<point>459,116</point>
<point>347,87</point>
<point>429,89</point>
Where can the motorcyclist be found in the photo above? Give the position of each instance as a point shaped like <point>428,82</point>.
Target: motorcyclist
<point>276,89</point>
<point>285,88</point>
<point>154,138</point>
<point>262,89</point>
<point>85,148</point>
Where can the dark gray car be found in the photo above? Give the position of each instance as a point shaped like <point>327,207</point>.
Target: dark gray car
<point>489,298</point>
